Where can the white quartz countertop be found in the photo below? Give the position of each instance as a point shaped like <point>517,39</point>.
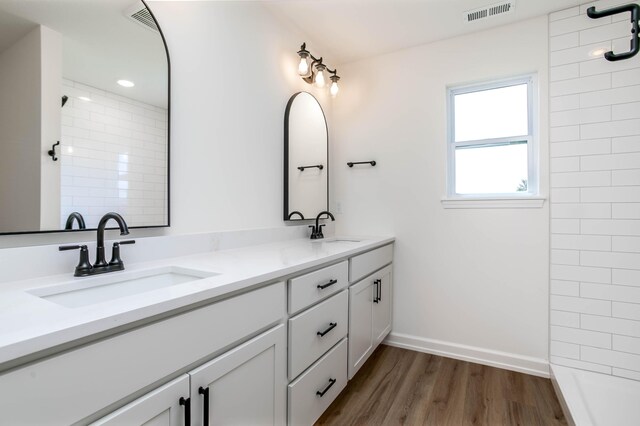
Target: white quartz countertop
<point>30,324</point>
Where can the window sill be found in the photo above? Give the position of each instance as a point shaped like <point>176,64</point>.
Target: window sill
<point>493,203</point>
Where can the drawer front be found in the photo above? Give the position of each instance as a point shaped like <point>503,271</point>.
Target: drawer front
<point>312,332</point>
<point>69,387</point>
<point>309,396</point>
<point>311,288</point>
<point>364,264</point>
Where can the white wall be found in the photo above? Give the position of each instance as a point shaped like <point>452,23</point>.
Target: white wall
<point>20,136</point>
<point>469,283</point>
<point>595,180</point>
<point>234,68</point>
<point>114,157</point>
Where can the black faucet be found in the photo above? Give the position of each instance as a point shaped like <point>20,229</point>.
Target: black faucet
<point>78,218</point>
<point>124,230</point>
<point>101,266</point>
<point>316,231</point>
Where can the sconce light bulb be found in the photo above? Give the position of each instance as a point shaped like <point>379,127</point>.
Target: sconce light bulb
<point>303,67</point>
<point>320,80</point>
<point>334,88</point>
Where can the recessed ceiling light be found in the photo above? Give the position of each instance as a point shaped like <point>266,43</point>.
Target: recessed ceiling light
<point>84,98</point>
<point>126,83</point>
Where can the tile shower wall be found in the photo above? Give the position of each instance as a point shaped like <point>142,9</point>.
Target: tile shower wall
<point>595,194</point>
<point>114,157</point>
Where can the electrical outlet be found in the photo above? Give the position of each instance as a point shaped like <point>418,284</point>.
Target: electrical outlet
<point>338,207</point>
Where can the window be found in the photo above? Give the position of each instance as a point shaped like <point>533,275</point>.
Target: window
<point>491,147</point>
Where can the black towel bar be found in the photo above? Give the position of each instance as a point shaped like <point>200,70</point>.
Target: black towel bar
<point>351,163</point>
<point>319,166</point>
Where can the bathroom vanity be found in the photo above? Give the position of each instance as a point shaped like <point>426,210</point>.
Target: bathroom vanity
<point>266,334</point>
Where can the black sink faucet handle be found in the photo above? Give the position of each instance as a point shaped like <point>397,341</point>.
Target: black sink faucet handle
<point>115,253</point>
<point>320,234</point>
<point>84,266</point>
<point>66,248</point>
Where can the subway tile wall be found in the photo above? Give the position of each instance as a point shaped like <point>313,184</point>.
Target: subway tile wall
<point>595,193</point>
<point>113,157</point>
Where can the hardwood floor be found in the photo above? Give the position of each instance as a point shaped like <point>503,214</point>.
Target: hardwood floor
<point>402,387</point>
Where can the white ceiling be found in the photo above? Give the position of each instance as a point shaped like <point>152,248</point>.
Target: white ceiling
<point>100,45</point>
<point>350,30</point>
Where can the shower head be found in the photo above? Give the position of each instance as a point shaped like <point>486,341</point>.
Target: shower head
<point>65,98</point>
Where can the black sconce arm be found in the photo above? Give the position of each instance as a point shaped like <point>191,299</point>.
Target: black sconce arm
<point>303,52</point>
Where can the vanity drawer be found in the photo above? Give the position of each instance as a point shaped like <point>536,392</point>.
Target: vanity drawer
<point>366,263</point>
<point>71,386</point>
<point>312,332</point>
<point>310,288</point>
<point>306,404</point>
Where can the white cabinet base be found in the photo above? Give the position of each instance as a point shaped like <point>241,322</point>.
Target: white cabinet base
<point>123,364</point>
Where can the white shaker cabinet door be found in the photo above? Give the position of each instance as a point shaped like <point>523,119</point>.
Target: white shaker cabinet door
<point>166,406</point>
<point>360,324</point>
<point>245,386</point>
<point>383,284</point>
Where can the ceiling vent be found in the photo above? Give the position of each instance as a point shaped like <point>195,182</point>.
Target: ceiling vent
<point>502,8</point>
<point>141,16</point>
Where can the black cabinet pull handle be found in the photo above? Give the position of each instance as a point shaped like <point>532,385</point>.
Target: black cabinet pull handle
<point>329,284</point>
<point>379,290</point>
<point>332,325</point>
<point>331,383</point>
<point>205,410</point>
<point>186,402</point>
<point>377,284</point>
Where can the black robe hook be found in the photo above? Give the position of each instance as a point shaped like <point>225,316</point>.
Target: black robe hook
<point>52,151</point>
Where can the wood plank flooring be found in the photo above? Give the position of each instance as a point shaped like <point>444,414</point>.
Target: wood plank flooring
<point>401,387</point>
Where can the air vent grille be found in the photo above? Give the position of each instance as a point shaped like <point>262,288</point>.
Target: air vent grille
<point>490,11</point>
<point>141,15</point>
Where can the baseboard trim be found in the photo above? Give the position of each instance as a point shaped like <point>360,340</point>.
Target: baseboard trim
<point>508,361</point>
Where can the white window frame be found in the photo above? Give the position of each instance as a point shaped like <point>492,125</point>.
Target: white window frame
<point>533,183</point>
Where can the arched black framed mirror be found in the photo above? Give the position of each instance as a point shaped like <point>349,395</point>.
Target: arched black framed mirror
<point>84,116</point>
<point>306,158</point>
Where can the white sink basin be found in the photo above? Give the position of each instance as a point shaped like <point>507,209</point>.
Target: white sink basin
<point>342,240</point>
<point>88,291</point>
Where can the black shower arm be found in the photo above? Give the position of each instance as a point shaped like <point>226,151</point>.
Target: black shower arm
<point>635,37</point>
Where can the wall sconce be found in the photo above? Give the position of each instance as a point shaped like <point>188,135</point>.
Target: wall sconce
<point>314,71</point>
